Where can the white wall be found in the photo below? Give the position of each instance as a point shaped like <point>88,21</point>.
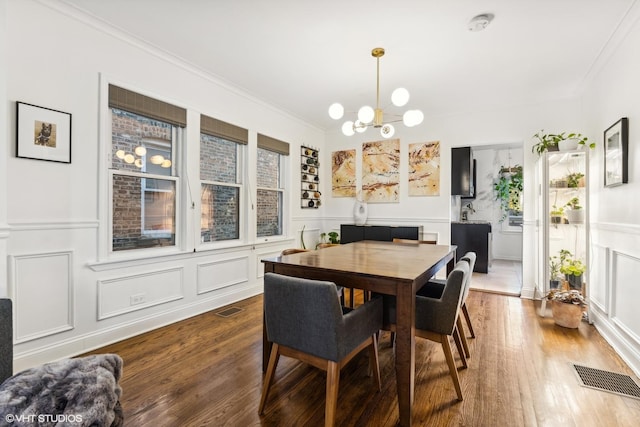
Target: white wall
<point>67,298</point>
<point>615,222</point>
<point>4,142</point>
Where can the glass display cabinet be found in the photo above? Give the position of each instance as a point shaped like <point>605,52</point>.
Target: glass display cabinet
<point>563,221</point>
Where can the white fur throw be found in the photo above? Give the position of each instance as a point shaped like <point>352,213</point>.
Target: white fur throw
<point>71,392</point>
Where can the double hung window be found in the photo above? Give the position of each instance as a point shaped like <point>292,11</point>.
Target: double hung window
<point>271,157</point>
<point>222,154</point>
<point>145,141</point>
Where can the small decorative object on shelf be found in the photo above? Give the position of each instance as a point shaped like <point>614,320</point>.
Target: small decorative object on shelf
<point>310,181</point>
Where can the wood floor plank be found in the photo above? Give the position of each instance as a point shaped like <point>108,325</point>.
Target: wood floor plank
<point>206,371</point>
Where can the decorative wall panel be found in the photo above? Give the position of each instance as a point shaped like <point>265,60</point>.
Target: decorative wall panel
<point>625,289</point>
<point>598,288</point>
<point>42,294</point>
<point>134,292</point>
<point>222,273</point>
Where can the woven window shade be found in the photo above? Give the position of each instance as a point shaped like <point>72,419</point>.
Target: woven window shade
<point>215,127</point>
<point>133,102</point>
<point>273,144</point>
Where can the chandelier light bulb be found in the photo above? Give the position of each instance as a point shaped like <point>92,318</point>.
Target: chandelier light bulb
<point>129,158</point>
<point>359,126</point>
<point>166,163</point>
<point>412,118</point>
<point>387,131</point>
<point>120,154</point>
<point>138,163</point>
<point>365,114</point>
<point>400,97</point>
<point>347,128</point>
<point>140,151</point>
<point>336,111</point>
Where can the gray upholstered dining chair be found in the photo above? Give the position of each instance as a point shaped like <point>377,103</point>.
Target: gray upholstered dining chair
<point>437,318</point>
<point>434,287</point>
<point>323,334</point>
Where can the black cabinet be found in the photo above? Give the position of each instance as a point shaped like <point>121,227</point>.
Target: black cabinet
<point>386,233</point>
<point>474,237</point>
<point>462,172</point>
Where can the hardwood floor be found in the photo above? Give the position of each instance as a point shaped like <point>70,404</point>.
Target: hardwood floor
<point>206,371</point>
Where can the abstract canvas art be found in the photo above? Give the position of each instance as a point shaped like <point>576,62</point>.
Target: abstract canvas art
<point>343,173</point>
<point>380,171</point>
<point>424,169</point>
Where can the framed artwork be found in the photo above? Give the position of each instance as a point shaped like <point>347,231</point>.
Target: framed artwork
<point>343,173</point>
<point>616,153</point>
<point>43,133</point>
<point>381,171</point>
<point>424,169</point>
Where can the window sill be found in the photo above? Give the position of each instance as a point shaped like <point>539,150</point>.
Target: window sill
<point>203,249</point>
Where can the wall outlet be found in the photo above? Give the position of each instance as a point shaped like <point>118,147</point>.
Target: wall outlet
<point>137,299</point>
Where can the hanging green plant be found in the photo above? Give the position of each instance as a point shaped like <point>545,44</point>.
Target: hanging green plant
<point>508,189</point>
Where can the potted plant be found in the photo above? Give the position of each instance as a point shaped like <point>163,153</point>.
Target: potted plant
<point>567,307</point>
<point>554,272</point>
<point>575,180</point>
<point>332,238</point>
<point>573,269</point>
<point>508,189</point>
<point>546,142</point>
<point>572,141</point>
<point>575,213</point>
<point>556,214</point>
<point>560,141</point>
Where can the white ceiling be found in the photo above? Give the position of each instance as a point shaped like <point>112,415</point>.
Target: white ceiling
<point>301,56</point>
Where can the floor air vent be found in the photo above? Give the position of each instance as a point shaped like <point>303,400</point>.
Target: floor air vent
<point>620,384</point>
<point>228,312</point>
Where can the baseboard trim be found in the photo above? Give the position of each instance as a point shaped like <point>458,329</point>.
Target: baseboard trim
<point>622,346</point>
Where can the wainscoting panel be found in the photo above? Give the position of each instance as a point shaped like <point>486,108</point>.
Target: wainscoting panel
<point>598,285</point>
<point>625,293</point>
<point>130,293</point>
<point>260,264</point>
<point>42,288</point>
<point>222,273</point>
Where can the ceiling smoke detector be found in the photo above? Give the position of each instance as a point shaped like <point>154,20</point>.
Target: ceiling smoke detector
<point>480,22</point>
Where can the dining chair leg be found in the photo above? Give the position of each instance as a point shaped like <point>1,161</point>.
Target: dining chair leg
<point>333,381</point>
<point>268,378</point>
<point>468,319</point>
<point>458,341</point>
<point>374,365</point>
<point>446,347</point>
<point>463,338</point>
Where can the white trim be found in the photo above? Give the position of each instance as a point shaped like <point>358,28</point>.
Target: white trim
<point>40,225</point>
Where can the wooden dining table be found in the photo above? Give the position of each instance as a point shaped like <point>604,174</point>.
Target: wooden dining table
<point>398,269</point>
